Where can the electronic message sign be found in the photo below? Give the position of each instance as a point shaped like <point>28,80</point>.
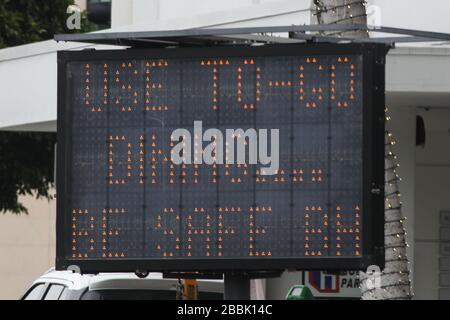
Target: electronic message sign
<point>221,158</point>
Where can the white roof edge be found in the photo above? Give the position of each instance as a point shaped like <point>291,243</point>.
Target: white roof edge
<point>431,50</point>
<point>45,47</point>
<point>49,46</point>
<point>37,48</point>
<point>38,126</point>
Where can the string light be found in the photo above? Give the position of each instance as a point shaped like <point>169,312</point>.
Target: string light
<point>396,257</point>
<point>343,11</point>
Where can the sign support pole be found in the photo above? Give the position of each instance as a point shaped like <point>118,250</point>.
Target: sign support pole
<point>237,286</point>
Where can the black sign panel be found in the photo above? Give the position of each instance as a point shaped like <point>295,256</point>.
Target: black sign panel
<point>124,205</point>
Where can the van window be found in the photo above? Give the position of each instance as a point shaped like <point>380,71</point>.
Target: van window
<point>35,292</point>
<point>63,295</point>
<point>54,292</point>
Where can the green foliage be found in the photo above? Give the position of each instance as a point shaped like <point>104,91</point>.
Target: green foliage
<point>26,21</point>
<point>26,159</point>
<point>26,167</point>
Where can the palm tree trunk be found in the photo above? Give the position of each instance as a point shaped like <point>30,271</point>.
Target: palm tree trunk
<point>342,12</point>
<point>393,282</point>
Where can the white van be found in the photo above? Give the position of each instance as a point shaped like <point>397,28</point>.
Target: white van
<point>66,285</point>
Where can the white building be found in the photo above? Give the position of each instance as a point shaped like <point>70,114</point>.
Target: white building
<point>418,83</point>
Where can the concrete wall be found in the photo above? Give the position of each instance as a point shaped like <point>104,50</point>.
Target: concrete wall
<point>27,246</point>
<point>121,13</point>
<point>414,14</point>
<point>81,4</point>
<point>180,14</point>
<point>432,194</point>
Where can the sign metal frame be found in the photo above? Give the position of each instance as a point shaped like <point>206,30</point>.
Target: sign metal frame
<point>372,153</point>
